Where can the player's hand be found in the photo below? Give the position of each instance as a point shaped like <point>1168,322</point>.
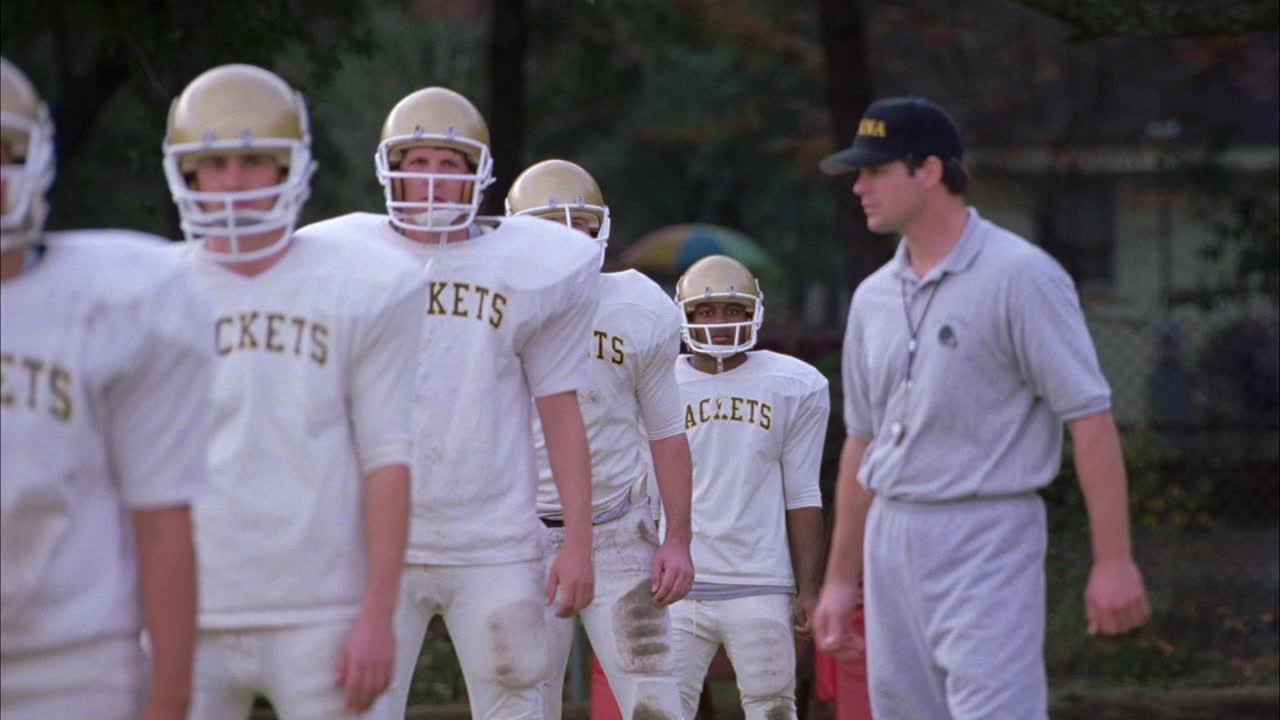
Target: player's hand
<point>671,576</point>
<point>1115,601</point>
<point>368,660</point>
<point>802,608</point>
<point>832,622</point>
<point>572,578</point>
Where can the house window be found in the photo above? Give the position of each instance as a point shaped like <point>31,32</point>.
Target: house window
<point>1076,223</point>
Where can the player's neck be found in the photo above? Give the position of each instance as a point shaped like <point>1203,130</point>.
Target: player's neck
<point>708,363</point>
<point>11,262</point>
<point>426,237</point>
<point>257,266</point>
<point>935,233</point>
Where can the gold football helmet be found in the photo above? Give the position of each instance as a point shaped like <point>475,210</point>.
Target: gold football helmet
<point>719,278</point>
<point>433,117</point>
<point>238,109</point>
<point>562,191</point>
<point>26,129</point>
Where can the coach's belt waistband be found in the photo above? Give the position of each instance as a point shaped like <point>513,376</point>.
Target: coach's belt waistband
<point>932,502</point>
<point>599,518</point>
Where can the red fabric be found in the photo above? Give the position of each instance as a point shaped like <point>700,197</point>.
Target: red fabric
<point>603,706</point>
<point>845,683</point>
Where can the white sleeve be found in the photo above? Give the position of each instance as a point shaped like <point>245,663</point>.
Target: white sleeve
<point>802,453</point>
<point>551,354</point>
<point>158,409</point>
<point>656,389</point>
<point>1054,351</point>
<point>383,366</point>
<point>857,397</point>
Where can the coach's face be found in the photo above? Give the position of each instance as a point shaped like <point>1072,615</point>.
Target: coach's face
<point>891,196</point>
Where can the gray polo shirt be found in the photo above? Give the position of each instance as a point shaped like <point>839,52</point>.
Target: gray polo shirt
<point>1003,358</point>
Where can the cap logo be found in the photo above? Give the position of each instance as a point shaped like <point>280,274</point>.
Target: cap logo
<point>871,127</point>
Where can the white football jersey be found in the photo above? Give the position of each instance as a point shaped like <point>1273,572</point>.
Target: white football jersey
<point>105,369</point>
<point>505,318</point>
<point>630,397</point>
<point>756,433</point>
<point>314,354</point>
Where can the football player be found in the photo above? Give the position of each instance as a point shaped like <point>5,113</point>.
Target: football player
<point>631,407</point>
<point>301,535</point>
<point>756,421</point>
<point>505,319</point>
<point>105,370</point>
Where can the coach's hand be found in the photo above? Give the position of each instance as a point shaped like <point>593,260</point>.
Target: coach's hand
<point>671,576</point>
<point>368,660</point>
<point>833,622</point>
<point>572,577</point>
<point>1115,601</point>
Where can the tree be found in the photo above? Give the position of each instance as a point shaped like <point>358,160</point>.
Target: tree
<point>110,70</point>
<point>849,92</point>
<point>508,40</point>
<point>1164,18</point>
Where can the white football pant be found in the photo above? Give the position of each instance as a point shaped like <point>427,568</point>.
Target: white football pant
<point>757,635</point>
<point>103,679</point>
<point>495,619</point>
<point>630,637</point>
<point>294,666</point>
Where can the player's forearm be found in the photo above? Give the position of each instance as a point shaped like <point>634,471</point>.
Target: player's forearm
<point>673,466</point>
<point>167,587</point>
<point>852,504</point>
<point>804,533</point>
<point>1100,467</point>
<point>570,460</point>
<point>386,509</point>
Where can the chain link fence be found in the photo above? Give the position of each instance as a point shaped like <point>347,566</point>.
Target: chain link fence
<point>1196,391</point>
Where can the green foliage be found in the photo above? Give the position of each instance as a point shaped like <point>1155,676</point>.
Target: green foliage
<point>691,112</point>
<point>412,53</point>
<point>438,677</point>
<point>110,70</point>
<point>1160,499</point>
<point>1212,588</point>
<point>1101,18</point>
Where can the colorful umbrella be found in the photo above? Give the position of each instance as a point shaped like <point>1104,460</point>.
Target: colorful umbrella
<point>672,249</point>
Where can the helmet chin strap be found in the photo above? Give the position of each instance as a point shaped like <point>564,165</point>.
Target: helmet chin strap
<point>436,217</point>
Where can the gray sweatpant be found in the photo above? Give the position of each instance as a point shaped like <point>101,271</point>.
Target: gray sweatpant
<point>955,605</point>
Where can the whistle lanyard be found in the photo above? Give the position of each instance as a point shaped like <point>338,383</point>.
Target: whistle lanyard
<point>899,429</point>
<point>913,329</point>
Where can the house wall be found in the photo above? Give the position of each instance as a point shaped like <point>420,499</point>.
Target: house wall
<point>1132,330</point>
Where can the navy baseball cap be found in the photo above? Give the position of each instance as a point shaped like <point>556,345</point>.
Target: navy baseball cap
<point>893,128</point>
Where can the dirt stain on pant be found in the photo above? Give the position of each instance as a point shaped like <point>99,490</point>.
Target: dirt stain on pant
<point>766,659</point>
<point>641,631</point>
<point>517,644</point>
<point>780,712</point>
<point>644,711</point>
